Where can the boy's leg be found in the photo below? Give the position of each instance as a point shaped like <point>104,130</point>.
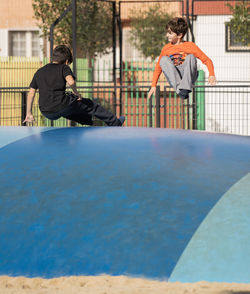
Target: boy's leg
<point>83,119</point>
<point>188,72</point>
<point>171,72</point>
<point>52,116</point>
<point>89,107</point>
<point>68,112</point>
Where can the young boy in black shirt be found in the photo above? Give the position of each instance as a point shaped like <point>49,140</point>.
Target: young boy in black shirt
<point>54,102</point>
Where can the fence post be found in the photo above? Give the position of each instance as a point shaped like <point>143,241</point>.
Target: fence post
<point>23,107</point>
<point>121,53</point>
<point>200,101</point>
<point>158,107</point>
<point>194,110</point>
<point>150,112</point>
<point>114,53</point>
<point>74,39</point>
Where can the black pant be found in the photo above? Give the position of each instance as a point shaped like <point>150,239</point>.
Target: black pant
<point>81,111</point>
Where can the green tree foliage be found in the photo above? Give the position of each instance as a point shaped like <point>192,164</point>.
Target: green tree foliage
<point>148,33</point>
<point>94,24</point>
<point>240,22</point>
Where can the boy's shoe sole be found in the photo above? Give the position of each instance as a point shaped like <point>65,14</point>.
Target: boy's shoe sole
<point>182,97</point>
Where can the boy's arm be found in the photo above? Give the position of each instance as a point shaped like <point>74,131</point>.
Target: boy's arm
<point>158,70</point>
<point>30,99</point>
<point>71,82</point>
<point>157,73</point>
<point>208,62</point>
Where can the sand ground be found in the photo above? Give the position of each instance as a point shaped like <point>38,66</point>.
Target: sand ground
<point>113,285</point>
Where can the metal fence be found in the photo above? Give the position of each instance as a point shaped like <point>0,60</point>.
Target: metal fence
<point>224,109</point>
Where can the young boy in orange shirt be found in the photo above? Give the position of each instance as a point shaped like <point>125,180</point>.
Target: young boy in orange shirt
<point>178,61</point>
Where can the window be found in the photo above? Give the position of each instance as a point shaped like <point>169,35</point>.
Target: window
<point>24,43</point>
<point>232,45</point>
<point>35,46</point>
<point>130,52</point>
<point>17,44</point>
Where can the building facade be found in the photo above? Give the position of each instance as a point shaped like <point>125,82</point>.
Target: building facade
<point>19,32</point>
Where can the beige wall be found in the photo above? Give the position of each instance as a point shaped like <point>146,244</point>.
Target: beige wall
<point>128,9</point>
<point>19,13</point>
<point>16,14</point>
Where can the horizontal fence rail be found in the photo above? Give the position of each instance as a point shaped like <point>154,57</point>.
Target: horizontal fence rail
<point>221,108</point>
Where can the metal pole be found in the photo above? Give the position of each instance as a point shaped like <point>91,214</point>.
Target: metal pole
<point>51,38</point>
<point>157,105</point>
<point>192,16</point>
<point>23,107</point>
<point>188,20</point>
<point>51,32</point>
<point>74,35</point>
<point>114,53</point>
<point>165,106</point>
<point>194,110</point>
<point>121,61</point>
<point>150,112</point>
<point>114,42</point>
<point>73,24</point>
<point>182,114</point>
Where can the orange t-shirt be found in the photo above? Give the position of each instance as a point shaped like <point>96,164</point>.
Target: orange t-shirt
<point>178,54</point>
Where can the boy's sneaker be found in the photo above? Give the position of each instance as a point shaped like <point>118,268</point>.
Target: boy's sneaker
<point>122,119</point>
<point>184,94</point>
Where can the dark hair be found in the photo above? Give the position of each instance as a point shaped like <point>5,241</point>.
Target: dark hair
<point>178,25</point>
<point>61,54</point>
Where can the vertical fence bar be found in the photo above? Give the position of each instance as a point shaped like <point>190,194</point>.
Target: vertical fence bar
<point>150,112</point>
<point>169,109</point>
<point>114,53</point>
<point>158,107</point>
<point>114,42</point>
<point>74,39</point>
<point>148,78</point>
<point>137,95</point>
<point>188,110</point>
<point>165,106</point>
<point>132,93</point>
<point>126,91</point>
<point>121,57</point>
<point>180,113</point>
<point>175,110</point>
<point>194,110</point>
<point>23,107</point>
<point>143,98</point>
